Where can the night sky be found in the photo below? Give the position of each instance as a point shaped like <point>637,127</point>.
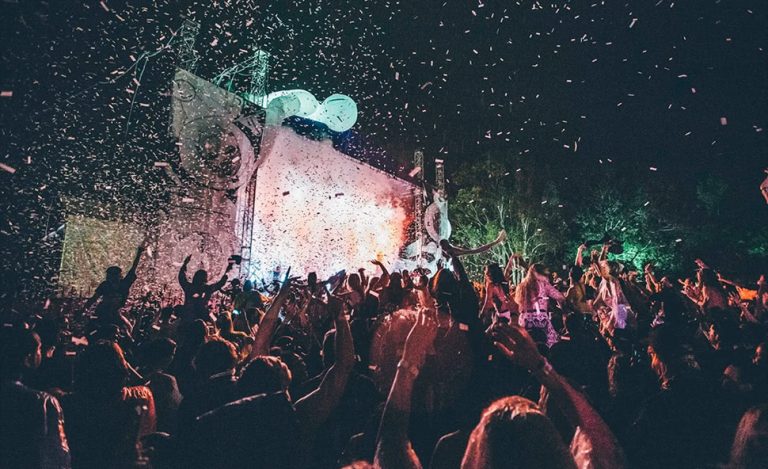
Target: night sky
<point>666,90</point>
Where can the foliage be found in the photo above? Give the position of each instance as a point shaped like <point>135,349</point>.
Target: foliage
<point>491,201</point>
<point>628,217</point>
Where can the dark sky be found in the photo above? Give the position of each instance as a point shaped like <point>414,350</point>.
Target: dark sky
<point>678,86</point>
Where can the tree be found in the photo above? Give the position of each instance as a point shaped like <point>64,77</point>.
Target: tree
<point>646,235</point>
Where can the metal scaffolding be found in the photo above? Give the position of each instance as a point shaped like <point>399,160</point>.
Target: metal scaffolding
<point>248,78</point>
<point>186,55</point>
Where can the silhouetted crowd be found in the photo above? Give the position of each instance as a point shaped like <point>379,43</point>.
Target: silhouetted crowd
<point>602,366</point>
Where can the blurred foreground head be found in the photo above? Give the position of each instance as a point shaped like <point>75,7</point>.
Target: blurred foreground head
<point>513,433</point>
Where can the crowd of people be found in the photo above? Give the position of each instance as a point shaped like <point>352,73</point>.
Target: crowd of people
<point>602,366</point>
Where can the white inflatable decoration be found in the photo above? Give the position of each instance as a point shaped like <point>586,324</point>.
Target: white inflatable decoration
<point>338,111</point>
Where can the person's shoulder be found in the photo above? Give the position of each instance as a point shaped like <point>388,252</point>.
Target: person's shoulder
<point>21,390</point>
<point>163,380</point>
<point>30,398</point>
<point>275,404</point>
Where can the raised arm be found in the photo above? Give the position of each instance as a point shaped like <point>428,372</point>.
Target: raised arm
<point>604,252</point>
<point>384,272</point>
<point>96,295</point>
<point>315,408</point>
<point>223,280</point>
<point>487,298</point>
<point>580,255</point>
<point>393,447</point>
<point>269,323</point>
<point>651,285</point>
<point>554,293</point>
<point>510,266</point>
<point>183,273</point>
<point>461,273</point>
<point>139,251</point>
<point>603,448</point>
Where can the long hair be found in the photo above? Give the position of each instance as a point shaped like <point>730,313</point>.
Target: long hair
<point>513,433</point>
<point>495,275</point>
<point>750,445</point>
<point>529,287</point>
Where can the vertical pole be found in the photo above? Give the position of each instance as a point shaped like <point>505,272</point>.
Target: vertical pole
<point>418,202</point>
<point>186,56</point>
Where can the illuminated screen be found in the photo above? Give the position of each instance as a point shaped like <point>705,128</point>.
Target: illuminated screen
<point>320,210</point>
<point>90,246</point>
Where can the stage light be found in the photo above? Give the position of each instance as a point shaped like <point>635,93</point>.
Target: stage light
<point>337,111</point>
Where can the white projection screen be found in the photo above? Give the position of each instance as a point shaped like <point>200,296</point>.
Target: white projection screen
<point>318,210</point>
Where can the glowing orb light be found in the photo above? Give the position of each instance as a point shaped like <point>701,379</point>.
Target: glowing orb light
<point>338,111</point>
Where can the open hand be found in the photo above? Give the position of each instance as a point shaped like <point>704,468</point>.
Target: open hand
<point>515,343</point>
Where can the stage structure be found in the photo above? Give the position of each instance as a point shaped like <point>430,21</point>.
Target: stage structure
<point>246,184</point>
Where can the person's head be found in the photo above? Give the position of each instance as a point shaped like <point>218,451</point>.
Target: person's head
<point>575,273</point>
<point>529,287</point>
<point>264,374</point>
<point>114,274</point>
<point>513,433</point>
<point>312,279</point>
<point>248,285</point>
<point>354,282</point>
<point>667,353</point>
<point>200,278</point>
<point>194,335</point>
<point>101,369</point>
<point>609,268</point>
<point>537,272</point>
<point>407,279</point>
<point>49,331</point>
<point>395,281</point>
<point>494,274</point>
<point>21,351</point>
<point>443,287</point>
<point>750,445</point>
<point>576,326</point>
<point>224,321</point>
<point>214,357</point>
<point>158,354</point>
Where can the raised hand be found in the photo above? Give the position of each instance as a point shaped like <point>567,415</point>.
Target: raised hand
<point>515,343</point>
<point>187,259</point>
